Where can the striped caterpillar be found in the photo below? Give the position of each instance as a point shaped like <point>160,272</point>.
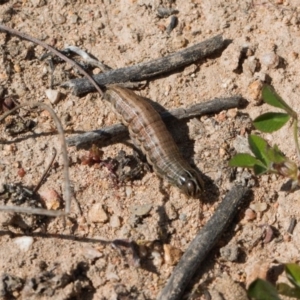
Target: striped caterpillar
<point>150,135</point>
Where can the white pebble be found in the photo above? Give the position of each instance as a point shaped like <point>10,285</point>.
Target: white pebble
<point>271,60</point>
<point>53,95</point>
<point>115,221</point>
<point>91,253</point>
<point>141,210</point>
<point>128,191</point>
<point>231,57</point>
<point>157,259</point>
<point>259,207</point>
<point>24,243</point>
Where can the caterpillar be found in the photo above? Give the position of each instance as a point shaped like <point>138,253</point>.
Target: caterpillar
<point>150,134</point>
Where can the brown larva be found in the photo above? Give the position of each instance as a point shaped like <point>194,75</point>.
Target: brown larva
<point>150,135</point>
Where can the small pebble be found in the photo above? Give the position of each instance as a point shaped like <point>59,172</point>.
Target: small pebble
<point>58,19</point>
<point>17,68</point>
<point>190,70</point>
<point>97,214</point>
<point>23,243</point>
<point>259,207</point>
<point>250,214</point>
<point>53,95</point>
<point>231,57</point>
<point>171,211</point>
<point>255,89</point>
<point>21,172</point>
<point>157,259</point>
<point>115,221</point>
<point>182,217</point>
<point>179,42</point>
<point>141,210</point>
<point>51,199</point>
<point>90,252</point>
<point>249,66</point>
<point>271,60</point>
<point>173,23</point>
<point>241,145</point>
<point>7,104</point>
<point>222,152</point>
<point>128,191</point>
<point>171,254</point>
<point>230,252</point>
<point>74,19</point>
<point>232,113</point>
<point>262,76</point>
<point>269,234</point>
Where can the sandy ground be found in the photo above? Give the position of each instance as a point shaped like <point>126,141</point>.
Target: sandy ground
<point>40,258</point>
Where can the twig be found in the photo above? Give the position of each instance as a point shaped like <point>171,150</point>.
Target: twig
<point>67,192</point>
<point>149,69</point>
<point>118,132</point>
<point>46,171</point>
<point>292,226</point>
<point>87,58</point>
<point>202,244</point>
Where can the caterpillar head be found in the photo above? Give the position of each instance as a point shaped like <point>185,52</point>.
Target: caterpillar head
<point>191,183</point>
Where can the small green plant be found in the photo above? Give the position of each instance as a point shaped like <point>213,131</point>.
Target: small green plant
<point>269,159</point>
<point>264,290</point>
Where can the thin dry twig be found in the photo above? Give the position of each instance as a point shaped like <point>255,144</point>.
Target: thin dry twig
<point>67,195</point>
<point>156,67</point>
<point>37,187</point>
<point>200,247</point>
<point>67,190</point>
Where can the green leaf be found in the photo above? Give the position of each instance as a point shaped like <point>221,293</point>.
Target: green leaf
<point>271,121</point>
<point>286,290</point>
<point>293,273</point>
<point>262,290</point>
<point>244,160</point>
<point>259,148</point>
<point>259,170</point>
<point>275,155</point>
<point>271,97</point>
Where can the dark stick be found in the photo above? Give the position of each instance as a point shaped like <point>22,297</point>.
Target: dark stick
<point>119,132</point>
<point>202,244</point>
<point>149,69</point>
<point>292,226</point>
